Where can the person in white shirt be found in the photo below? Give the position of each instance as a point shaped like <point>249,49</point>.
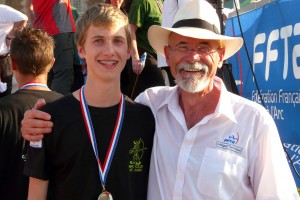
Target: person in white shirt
<point>10,21</point>
<point>209,143</point>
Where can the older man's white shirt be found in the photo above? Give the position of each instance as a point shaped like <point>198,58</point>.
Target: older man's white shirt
<point>234,153</point>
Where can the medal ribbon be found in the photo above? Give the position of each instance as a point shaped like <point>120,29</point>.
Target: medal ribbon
<point>103,169</point>
<point>34,84</point>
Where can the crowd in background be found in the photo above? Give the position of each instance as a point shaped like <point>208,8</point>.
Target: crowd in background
<point>69,71</point>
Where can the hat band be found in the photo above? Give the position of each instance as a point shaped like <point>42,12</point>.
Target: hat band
<point>197,23</point>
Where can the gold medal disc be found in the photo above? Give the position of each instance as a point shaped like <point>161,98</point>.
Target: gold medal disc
<point>105,196</point>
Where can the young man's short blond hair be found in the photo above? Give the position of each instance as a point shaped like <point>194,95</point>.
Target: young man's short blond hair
<point>33,51</point>
<point>101,15</point>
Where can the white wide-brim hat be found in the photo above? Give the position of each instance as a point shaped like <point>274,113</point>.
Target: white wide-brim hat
<point>196,19</point>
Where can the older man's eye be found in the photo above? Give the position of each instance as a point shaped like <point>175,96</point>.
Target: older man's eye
<point>203,49</point>
<point>183,48</point>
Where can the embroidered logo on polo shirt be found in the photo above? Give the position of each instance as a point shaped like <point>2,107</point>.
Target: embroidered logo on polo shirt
<point>137,152</point>
<point>230,143</point>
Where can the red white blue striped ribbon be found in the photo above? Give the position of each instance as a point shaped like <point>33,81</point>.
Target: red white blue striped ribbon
<point>103,169</point>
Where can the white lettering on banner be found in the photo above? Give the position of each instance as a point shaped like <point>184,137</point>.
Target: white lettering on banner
<point>296,53</point>
<point>285,33</point>
<point>294,152</point>
<point>275,112</point>
<point>289,97</point>
<point>272,54</point>
<point>280,97</point>
<point>267,97</point>
<point>258,57</point>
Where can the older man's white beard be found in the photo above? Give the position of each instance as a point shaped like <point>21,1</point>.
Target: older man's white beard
<point>196,82</point>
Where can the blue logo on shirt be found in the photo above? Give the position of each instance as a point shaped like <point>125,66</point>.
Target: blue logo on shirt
<point>232,138</point>
<point>230,143</point>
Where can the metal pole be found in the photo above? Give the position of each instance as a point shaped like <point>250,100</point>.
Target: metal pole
<point>219,8</point>
<point>226,71</point>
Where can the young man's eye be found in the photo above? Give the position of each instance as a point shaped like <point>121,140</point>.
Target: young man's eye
<point>118,42</point>
<point>98,41</point>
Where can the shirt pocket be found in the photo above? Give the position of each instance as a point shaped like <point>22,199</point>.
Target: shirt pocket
<point>220,174</point>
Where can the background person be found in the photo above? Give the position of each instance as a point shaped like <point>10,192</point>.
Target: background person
<point>32,58</point>
<point>55,16</point>
<point>142,14</point>
<point>10,21</point>
<point>77,62</point>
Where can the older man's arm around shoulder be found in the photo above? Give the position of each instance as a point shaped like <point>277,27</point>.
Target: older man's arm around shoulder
<point>36,123</point>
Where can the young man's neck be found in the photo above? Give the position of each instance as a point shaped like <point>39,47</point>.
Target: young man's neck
<point>101,95</point>
<point>32,83</point>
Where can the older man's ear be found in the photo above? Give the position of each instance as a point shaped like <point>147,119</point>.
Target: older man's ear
<point>221,57</point>
<point>166,51</point>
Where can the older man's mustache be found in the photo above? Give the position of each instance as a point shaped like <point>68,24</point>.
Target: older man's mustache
<point>193,67</point>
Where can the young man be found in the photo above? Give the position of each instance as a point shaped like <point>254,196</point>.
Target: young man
<point>209,143</point>
<point>101,144</point>
<point>32,57</point>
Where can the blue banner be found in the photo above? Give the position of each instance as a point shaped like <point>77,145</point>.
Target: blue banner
<point>272,47</point>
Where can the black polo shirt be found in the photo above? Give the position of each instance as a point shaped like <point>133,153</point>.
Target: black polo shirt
<point>68,161</point>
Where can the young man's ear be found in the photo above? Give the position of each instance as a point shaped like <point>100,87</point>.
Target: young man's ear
<point>81,52</point>
<point>49,67</point>
<point>13,64</point>
<point>52,63</point>
<point>128,53</point>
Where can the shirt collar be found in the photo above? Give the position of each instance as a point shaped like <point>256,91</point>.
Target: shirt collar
<point>224,106</point>
<point>172,100</point>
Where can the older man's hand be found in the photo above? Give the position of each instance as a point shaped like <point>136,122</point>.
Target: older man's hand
<point>36,123</point>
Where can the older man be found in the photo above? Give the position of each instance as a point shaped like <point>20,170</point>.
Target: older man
<point>209,143</point>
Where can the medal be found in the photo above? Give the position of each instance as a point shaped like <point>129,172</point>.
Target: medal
<point>103,169</point>
<point>105,195</point>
